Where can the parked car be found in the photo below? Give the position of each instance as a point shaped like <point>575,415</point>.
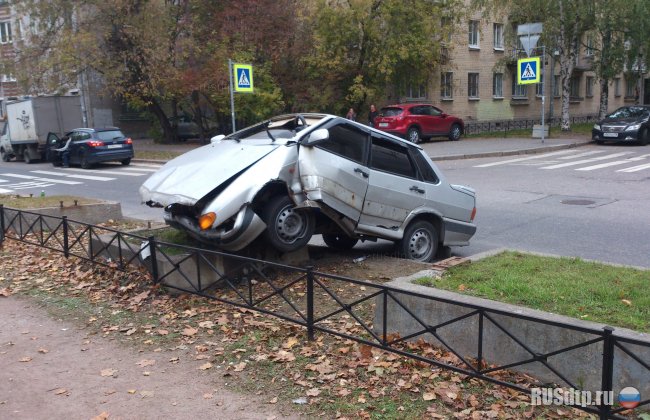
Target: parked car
<point>185,128</point>
<point>418,122</point>
<point>626,124</point>
<point>296,175</point>
<point>92,145</point>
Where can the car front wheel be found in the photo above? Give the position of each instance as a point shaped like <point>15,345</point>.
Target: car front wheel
<point>287,229</point>
<point>420,241</point>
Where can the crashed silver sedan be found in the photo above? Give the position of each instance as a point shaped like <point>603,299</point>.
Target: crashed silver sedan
<point>297,175</point>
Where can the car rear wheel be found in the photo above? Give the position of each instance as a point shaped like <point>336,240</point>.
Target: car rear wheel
<point>287,229</point>
<point>126,162</point>
<point>455,132</point>
<point>339,241</point>
<point>85,164</point>
<point>420,241</point>
<point>413,135</point>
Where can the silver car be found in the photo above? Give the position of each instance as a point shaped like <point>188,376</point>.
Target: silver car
<point>297,175</point>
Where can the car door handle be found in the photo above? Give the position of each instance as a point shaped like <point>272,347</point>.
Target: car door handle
<point>362,172</point>
<point>417,189</point>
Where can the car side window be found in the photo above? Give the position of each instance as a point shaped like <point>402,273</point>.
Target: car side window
<point>391,157</point>
<point>417,110</point>
<point>346,141</point>
<point>433,111</point>
<point>84,136</point>
<point>426,171</point>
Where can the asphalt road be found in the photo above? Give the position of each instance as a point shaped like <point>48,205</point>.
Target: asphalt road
<point>591,202</point>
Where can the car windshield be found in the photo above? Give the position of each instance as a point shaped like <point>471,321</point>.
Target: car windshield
<point>109,135</point>
<point>391,111</point>
<point>284,127</point>
<point>630,112</point>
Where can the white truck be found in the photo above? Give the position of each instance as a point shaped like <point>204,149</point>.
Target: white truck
<point>30,121</point>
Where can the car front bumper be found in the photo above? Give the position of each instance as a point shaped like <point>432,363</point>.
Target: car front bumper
<point>621,136</point>
<point>245,227</point>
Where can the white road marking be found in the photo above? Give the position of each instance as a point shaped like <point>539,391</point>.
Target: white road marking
<point>144,165</point>
<point>56,181</point>
<point>150,169</point>
<point>635,168</point>
<point>580,162</point>
<point>101,171</point>
<point>88,177</point>
<point>579,155</point>
<point>505,162</point>
<point>3,191</point>
<point>26,186</point>
<point>608,164</point>
<point>3,180</point>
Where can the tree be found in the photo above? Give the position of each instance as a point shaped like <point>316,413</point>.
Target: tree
<point>360,47</point>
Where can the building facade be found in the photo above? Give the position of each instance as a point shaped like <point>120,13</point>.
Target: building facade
<point>478,80</point>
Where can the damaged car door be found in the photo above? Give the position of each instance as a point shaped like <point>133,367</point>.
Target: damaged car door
<point>333,170</point>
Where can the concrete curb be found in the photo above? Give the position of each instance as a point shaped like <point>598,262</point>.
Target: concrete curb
<point>511,152</point>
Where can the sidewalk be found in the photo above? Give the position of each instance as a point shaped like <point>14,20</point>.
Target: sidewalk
<point>438,150</point>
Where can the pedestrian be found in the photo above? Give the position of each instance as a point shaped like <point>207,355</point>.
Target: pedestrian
<point>372,115</point>
<point>351,115</point>
<point>64,152</point>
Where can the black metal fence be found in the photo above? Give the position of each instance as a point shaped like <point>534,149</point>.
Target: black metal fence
<point>357,310</point>
<point>479,127</point>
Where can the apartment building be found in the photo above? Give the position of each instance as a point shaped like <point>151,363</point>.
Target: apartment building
<point>8,85</point>
<point>478,80</point>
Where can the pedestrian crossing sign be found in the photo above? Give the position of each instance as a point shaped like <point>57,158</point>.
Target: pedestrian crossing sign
<point>528,70</point>
<point>243,74</point>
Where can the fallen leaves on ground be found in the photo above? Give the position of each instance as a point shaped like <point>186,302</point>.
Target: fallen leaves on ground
<point>242,344</point>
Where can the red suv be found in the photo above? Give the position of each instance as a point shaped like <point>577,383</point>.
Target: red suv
<point>417,122</point>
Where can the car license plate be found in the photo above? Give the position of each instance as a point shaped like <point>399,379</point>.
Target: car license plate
<point>383,124</point>
<point>610,134</point>
<point>114,146</point>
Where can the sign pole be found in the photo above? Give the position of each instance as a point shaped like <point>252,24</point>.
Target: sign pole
<point>543,89</point>
<point>232,95</point>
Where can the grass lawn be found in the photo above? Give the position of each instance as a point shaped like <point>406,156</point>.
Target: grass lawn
<point>555,132</point>
<point>568,286</point>
<point>37,202</point>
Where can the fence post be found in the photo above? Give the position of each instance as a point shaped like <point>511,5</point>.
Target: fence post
<point>608,371</point>
<point>2,224</point>
<point>154,259</point>
<point>66,243</point>
<point>310,303</point>
<point>479,356</point>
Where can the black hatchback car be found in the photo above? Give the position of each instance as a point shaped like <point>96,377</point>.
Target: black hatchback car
<point>626,124</point>
<point>93,145</point>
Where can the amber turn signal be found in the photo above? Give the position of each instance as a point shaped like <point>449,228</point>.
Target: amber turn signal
<point>206,220</point>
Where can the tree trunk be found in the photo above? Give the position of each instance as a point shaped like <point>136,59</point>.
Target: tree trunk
<point>604,98</point>
<point>169,135</point>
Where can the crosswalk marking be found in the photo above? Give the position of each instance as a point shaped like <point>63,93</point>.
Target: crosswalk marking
<point>148,169</point>
<point>608,164</point>
<point>145,165</point>
<point>580,162</point>
<point>88,177</point>
<point>635,168</point>
<point>56,181</point>
<point>101,171</point>
<point>505,162</point>
<point>579,155</point>
<point>3,191</point>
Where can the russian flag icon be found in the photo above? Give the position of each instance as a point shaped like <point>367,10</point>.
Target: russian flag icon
<point>629,397</point>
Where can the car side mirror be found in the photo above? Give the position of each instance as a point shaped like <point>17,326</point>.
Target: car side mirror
<point>316,136</point>
<point>217,139</point>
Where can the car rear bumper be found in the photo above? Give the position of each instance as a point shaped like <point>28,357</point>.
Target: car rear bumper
<point>458,233</point>
<point>109,155</point>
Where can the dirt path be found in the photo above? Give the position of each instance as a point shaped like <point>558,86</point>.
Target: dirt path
<point>51,369</point>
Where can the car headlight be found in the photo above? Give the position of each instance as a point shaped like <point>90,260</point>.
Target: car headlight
<point>597,127</point>
<point>634,127</point>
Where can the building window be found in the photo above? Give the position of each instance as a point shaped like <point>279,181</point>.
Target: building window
<point>472,85</point>
<point>556,86</point>
<point>7,78</point>
<point>446,84</point>
<point>414,91</point>
<point>589,46</point>
<point>447,28</point>
<point>589,87</point>
<point>498,36</point>
<point>473,34</point>
<point>497,85</point>
<point>574,87</point>
<point>5,32</point>
<point>518,91</point>
<point>630,88</point>
<point>617,86</point>
<point>539,87</point>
